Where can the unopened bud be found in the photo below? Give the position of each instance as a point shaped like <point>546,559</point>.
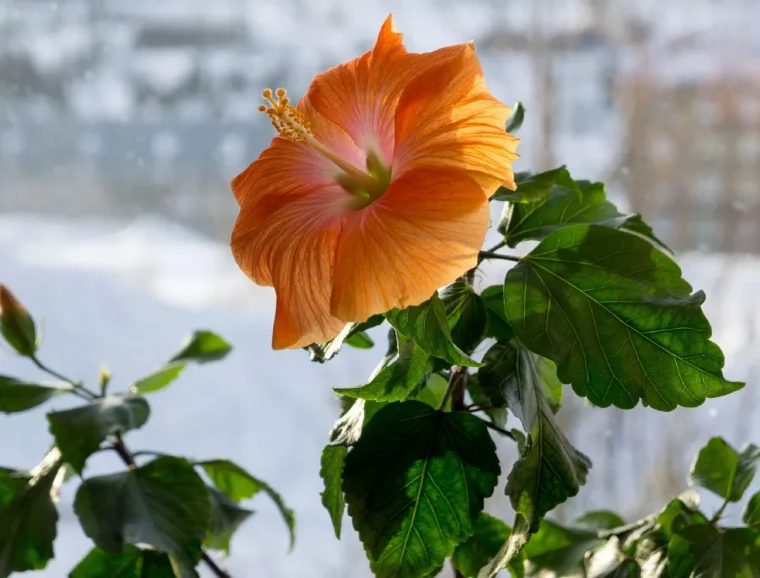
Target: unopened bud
<point>16,325</point>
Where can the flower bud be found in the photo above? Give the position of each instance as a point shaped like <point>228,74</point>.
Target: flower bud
<point>16,325</point>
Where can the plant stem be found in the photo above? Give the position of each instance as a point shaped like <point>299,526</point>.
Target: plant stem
<point>483,255</point>
<point>453,389</point>
<point>495,427</point>
<point>128,458</point>
<point>79,389</point>
<point>497,246</point>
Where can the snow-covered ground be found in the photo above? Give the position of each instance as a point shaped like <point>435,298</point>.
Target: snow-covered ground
<point>127,293</point>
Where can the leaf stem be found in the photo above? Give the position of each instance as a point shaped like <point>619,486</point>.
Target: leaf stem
<point>719,512</point>
<point>79,389</point>
<point>128,458</point>
<point>484,255</point>
<point>495,427</point>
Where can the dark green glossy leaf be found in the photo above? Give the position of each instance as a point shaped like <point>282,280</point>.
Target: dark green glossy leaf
<point>158,379</point>
<point>164,504</point>
<point>226,517</point>
<point>427,324</point>
<point>679,513</point>
<point>467,315</point>
<point>398,381</point>
<point>475,552</point>
<point>497,325</point>
<point>79,431</point>
<point>551,470</point>
<point>724,471</point>
<point>16,324</point>
<point>514,122</point>
<point>202,347</point>
<point>16,395</point>
<point>415,484</point>
<point>238,485</point>
<point>704,551</point>
<point>614,314</point>
<point>534,187</point>
<point>331,472</point>
<point>586,203</point>
<point>360,340</point>
<point>131,562</point>
<point>322,352</point>
<point>28,518</point>
<point>751,513</point>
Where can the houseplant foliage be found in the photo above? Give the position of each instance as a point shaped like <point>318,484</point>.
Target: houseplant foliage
<point>593,305</point>
<point>160,516</point>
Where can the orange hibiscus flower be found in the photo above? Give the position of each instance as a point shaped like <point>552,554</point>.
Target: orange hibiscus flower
<point>375,191</point>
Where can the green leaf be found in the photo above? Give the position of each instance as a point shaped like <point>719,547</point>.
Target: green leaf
<point>551,470</point>
<point>16,395</point>
<point>79,431</point>
<point>398,381</point>
<point>238,485</point>
<point>705,551</point>
<point>415,484</point>
<point>586,203</point>
<point>467,315</point>
<point>534,187</point>
<point>226,517</point>
<point>598,520</point>
<point>360,340</point>
<point>158,379</point>
<point>514,122</point>
<point>652,555</point>
<point>28,519</point>
<point>131,562</point>
<point>16,324</point>
<point>614,314</point>
<point>751,513</point>
<point>164,504</point>
<point>474,553</point>
<point>723,471</point>
<point>558,549</point>
<point>202,347</point>
<point>434,390</point>
<point>427,324</point>
<point>497,325</point>
<point>493,400</point>
<point>331,472</point>
<point>322,352</point>
<point>680,513</point>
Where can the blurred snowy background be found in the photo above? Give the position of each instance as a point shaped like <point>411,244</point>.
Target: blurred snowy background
<point>121,124</point>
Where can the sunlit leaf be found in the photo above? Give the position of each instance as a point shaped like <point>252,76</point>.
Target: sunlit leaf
<point>614,314</point>
<point>331,472</point>
<point>415,484</point>
<point>427,324</point>
<point>724,471</point>
<point>158,379</point>
<point>202,347</point>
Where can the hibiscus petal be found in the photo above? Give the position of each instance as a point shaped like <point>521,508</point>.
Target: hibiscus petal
<point>360,96</point>
<point>446,117</point>
<point>423,233</point>
<point>293,249</point>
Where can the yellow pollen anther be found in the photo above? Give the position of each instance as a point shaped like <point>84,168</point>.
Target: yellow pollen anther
<point>288,120</point>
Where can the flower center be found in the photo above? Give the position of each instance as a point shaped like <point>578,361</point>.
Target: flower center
<point>291,123</point>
